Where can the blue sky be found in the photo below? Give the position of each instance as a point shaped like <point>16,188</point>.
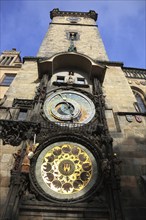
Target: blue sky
<point>122,25</point>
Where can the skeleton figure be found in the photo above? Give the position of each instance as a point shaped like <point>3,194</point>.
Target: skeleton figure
<point>71,78</point>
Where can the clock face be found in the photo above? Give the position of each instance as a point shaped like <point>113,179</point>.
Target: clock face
<point>69,106</point>
<point>65,170</point>
<point>73,19</point>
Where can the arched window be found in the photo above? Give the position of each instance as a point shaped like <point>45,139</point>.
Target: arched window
<point>140,102</point>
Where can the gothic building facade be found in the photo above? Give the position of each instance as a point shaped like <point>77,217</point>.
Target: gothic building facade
<point>73,128</point>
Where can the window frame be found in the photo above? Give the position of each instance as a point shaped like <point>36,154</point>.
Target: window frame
<point>6,60</point>
<point>5,81</point>
<point>81,80</point>
<point>140,103</point>
<point>20,116</point>
<point>61,80</point>
<point>75,33</point>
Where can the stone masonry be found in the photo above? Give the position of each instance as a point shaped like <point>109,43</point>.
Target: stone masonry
<point>129,138</point>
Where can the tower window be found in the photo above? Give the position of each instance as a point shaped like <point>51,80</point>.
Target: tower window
<point>60,78</point>
<point>140,102</point>
<point>81,81</point>
<point>7,80</point>
<point>73,36</point>
<point>6,60</point>
<point>22,115</point>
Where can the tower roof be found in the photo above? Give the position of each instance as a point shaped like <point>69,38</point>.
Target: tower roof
<point>56,12</point>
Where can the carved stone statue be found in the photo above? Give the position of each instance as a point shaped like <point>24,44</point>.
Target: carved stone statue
<point>71,78</point>
<point>26,160</point>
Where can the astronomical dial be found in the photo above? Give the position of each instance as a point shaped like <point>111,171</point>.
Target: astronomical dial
<point>69,106</point>
<point>66,170</point>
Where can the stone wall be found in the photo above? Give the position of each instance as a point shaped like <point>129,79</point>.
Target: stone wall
<point>3,71</point>
<point>6,164</point>
<point>118,93</point>
<point>129,139</point>
<point>89,42</point>
<point>23,87</point>
<point>24,84</point>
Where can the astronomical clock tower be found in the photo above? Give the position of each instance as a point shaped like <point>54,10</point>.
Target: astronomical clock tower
<point>64,166</point>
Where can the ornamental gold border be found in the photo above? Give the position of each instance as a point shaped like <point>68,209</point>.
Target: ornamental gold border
<point>94,152</point>
<point>51,192</point>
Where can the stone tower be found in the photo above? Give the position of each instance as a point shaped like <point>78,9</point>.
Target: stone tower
<point>73,129</point>
<point>69,28</point>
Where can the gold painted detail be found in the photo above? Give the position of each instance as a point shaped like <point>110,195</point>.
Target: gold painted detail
<point>66,169</point>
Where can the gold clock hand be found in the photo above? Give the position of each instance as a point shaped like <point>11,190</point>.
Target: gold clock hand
<point>68,104</point>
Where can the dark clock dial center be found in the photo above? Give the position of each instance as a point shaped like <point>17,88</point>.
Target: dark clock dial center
<point>66,167</point>
<point>65,108</point>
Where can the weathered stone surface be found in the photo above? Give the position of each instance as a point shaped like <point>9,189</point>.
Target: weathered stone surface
<point>129,138</point>
<point>93,48</point>
<point>6,158</point>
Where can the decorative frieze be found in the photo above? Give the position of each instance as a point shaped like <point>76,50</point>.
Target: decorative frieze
<point>135,73</point>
